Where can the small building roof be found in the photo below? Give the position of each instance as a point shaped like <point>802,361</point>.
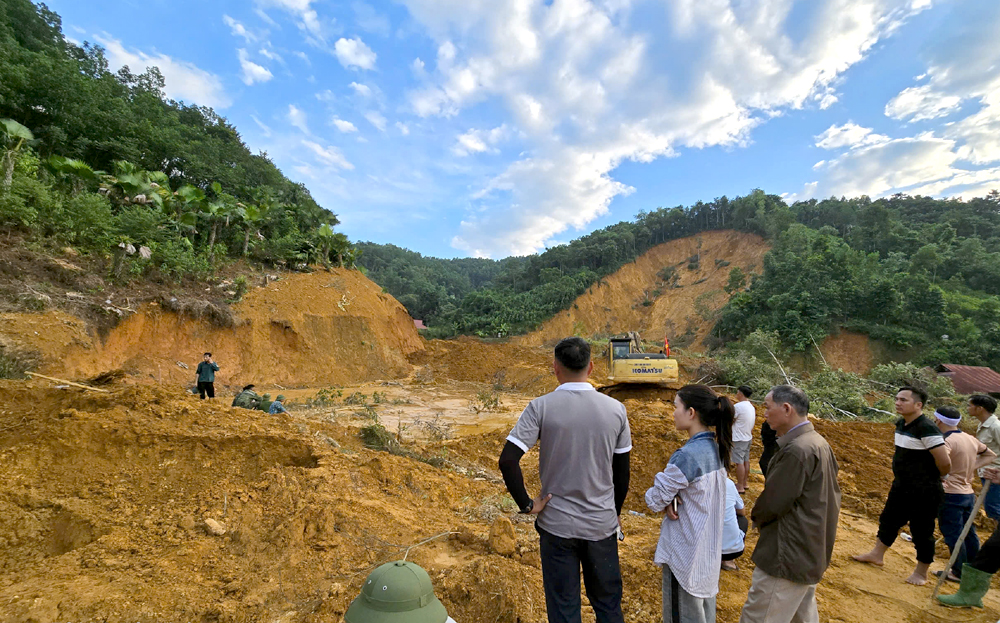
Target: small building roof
<point>971,379</point>
<point>419,324</point>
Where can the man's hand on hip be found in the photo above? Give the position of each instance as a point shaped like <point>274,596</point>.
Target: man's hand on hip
<point>538,504</point>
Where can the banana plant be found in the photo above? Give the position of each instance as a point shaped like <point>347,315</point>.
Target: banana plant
<point>131,184</point>
<point>13,138</point>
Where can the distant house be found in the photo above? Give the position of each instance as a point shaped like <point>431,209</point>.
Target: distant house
<point>419,324</point>
<point>971,379</point>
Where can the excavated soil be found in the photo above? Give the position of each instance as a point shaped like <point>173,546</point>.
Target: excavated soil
<point>143,504</point>
<point>307,329</point>
<point>105,509</point>
<point>849,351</point>
<point>637,298</point>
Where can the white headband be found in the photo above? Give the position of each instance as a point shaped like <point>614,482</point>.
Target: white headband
<point>947,420</point>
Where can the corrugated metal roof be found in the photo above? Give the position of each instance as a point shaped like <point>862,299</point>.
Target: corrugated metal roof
<point>971,379</point>
<point>419,324</point>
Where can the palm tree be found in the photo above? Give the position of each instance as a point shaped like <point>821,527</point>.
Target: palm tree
<point>76,171</point>
<point>13,137</point>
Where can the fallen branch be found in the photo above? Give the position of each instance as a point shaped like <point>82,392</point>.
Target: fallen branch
<point>49,378</point>
<point>780,367</point>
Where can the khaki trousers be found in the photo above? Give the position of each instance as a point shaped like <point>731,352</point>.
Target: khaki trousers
<point>774,600</point>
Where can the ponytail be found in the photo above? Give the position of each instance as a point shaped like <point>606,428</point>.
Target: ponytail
<point>713,411</point>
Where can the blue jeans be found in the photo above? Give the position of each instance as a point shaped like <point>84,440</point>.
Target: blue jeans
<point>954,512</point>
<point>992,502</point>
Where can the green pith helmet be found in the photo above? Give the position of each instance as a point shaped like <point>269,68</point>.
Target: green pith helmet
<point>266,396</point>
<point>397,592</point>
<point>280,398</point>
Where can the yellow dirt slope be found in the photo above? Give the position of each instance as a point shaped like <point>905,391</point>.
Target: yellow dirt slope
<point>306,329</point>
<point>684,309</point>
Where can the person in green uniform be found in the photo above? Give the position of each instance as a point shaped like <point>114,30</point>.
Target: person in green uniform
<point>206,376</point>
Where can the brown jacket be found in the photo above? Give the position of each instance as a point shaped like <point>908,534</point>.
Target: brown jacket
<point>797,511</point>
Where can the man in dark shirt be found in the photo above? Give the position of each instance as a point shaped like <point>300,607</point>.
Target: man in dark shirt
<point>920,461</point>
<point>206,377</point>
<point>768,439</point>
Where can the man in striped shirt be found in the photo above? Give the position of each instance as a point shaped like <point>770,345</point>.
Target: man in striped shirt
<point>918,465</point>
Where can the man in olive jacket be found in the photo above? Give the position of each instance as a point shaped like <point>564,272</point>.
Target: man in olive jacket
<point>796,514</point>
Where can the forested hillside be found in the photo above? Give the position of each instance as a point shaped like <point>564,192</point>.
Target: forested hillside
<point>103,162</point>
<point>914,272</point>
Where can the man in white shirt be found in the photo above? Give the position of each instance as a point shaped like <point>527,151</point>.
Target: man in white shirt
<point>982,408</point>
<point>746,415</point>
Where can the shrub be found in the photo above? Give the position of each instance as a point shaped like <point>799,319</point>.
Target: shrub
<point>15,361</point>
<point>376,437</point>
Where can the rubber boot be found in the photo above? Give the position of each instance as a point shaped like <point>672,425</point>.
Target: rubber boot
<point>975,584</point>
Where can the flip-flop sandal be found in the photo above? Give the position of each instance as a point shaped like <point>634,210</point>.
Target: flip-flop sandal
<point>951,577</point>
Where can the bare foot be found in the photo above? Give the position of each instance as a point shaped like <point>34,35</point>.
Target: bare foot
<point>916,579</point>
<point>870,558</point>
<point>729,565</point>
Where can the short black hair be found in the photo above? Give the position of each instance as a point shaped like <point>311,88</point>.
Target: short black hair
<point>916,391</point>
<point>250,386</point>
<point>794,396</point>
<point>573,353</point>
<point>745,390</point>
<point>949,412</point>
<point>209,354</point>
<point>984,401</point>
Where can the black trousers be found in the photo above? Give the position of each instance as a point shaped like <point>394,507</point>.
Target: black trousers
<point>562,560</point>
<point>206,388</point>
<point>988,558</point>
<point>917,507</point>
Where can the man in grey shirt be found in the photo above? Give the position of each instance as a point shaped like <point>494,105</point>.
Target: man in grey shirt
<point>583,464</point>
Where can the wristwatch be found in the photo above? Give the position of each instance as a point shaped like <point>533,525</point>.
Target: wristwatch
<point>526,510</point>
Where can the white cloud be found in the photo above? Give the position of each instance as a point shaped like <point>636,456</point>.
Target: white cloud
<point>265,130</point>
<point>887,167</point>
<point>238,29</point>
<point>270,55</point>
<point>370,20</point>
<point>344,126</point>
<point>297,117</point>
<point>403,128</point>
<point>361,89</point>
<point>376,120</point>
<point>303,56</point>
<point>478,141</point>
<point>184,81</point>
<point>957,157</point>
<point>308,19</point>
<point>328,155</point>
<point>920,103</point>
<point>326,96</point>
<point>587,89</point>
<point>252,72</point>
<point>353,53</point>
<point>418,68</point>
<point>847,135</point>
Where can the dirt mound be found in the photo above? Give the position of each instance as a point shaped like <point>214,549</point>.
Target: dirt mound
<point>506,365</point>
<point>306,329</point>
<point>675,289</point>
<point>107,498</point>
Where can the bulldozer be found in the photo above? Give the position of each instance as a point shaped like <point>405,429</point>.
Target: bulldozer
<point>631,368</point>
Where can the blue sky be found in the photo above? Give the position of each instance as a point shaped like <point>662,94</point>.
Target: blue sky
<point>499,127</point>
